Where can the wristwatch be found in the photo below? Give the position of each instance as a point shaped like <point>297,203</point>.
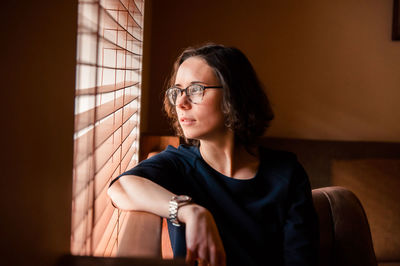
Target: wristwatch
<point>174,204</point>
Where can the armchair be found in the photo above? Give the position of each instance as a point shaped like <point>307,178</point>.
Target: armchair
<point>345,237</point>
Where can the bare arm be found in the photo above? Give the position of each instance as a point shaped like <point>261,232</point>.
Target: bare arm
<point>134,193</point>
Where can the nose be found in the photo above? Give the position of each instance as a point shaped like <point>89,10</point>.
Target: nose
<point>182,101</point>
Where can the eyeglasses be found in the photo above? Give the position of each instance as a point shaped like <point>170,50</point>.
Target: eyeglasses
<point>194,92</point>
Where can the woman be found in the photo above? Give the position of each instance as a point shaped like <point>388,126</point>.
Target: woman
<point>240,204</point>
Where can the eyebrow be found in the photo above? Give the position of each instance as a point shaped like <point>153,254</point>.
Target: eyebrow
<point>193,82</point>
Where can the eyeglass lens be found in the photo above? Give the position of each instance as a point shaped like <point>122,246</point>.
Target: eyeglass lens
<point>194,93</point>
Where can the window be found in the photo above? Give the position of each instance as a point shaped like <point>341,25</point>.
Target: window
<point>107,105</point>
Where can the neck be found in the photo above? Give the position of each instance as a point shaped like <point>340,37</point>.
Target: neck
<point>229,158</point>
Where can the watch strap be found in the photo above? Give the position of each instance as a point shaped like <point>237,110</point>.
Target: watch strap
<point>174,204</point>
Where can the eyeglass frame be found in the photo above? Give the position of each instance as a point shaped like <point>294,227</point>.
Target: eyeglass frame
<point>186,92</point>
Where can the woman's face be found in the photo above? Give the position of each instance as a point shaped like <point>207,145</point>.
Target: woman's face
<point>204,120</point>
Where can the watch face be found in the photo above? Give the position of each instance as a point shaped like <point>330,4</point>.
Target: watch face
<point>182,198</point>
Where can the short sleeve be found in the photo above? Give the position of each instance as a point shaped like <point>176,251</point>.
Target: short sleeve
<point>301,232</point>
<point>160,169</point>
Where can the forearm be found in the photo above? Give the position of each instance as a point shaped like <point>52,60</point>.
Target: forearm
<point>202,238</point>
<point>134,193</point>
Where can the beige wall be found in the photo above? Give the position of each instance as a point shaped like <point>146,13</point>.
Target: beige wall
<point>37,87</point>
<point>330,67</point>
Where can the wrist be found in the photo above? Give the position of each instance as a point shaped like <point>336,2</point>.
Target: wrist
<point>175,204</point>
<point>190,211</point>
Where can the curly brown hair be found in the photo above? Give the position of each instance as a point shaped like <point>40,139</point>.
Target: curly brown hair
<point>245,105</point>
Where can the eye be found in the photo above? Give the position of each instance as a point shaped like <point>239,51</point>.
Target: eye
<point>173,94</point>
<point>195,89</point>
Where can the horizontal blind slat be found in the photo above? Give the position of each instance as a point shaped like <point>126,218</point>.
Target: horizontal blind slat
<point>132,164</point>
<point>140,9</point>
<point>104,226</point>
<point>85,169</point>
<point>113,24</point>
<point>79,234</point>
<point>109,238</point>
<point>81,215</point>
<point>101,198</point>
<point>132,42</point>
<point>128,157</point>
<point>109,53</point>
<point>87,217</point>
<point>123,218</point>
<point>80,197</point>
<point>108,172</point>
<point>106,88</point>
<point>107,41</point>
<point>87,118</point>
<point>104,131</point>
<point>103,156</point>
<point>117,5</point>
<point>108,67</point>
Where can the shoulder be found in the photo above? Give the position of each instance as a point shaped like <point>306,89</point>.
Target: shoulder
<point>277,157</point>
<point>183,153</point>
<point>282,164</point>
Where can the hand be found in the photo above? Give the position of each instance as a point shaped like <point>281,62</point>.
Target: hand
<point>203,242</point>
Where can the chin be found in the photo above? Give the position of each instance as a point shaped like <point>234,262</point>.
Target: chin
<point>203,133</point>
<point>189,134</point>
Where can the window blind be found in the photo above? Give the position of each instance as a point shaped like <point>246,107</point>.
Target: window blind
<point>107,105</point>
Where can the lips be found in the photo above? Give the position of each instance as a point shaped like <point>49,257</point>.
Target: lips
<point>187,121</point>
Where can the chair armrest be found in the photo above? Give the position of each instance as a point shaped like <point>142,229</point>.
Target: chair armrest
<point>345,237</point>
<point>140,235</point>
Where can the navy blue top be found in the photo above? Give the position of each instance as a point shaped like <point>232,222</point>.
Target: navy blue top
<point>266,220</point>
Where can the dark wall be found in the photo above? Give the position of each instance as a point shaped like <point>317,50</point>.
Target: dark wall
<point>37,87</point>
<point>317,156</point>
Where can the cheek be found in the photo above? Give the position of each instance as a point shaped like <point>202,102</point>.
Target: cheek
<point>212,110</point>
<point>213,117</point>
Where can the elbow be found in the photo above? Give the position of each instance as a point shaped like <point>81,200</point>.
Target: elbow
<point>120,198</point>
<point>112,193</point>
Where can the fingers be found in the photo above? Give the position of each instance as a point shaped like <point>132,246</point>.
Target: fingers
<point>217,257</point>
<point>197,258</point>
<point>203,241</point>
<point>203,262</point>
<point>190,258</point>
<point>203,257</point>
<point>213,258</point>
